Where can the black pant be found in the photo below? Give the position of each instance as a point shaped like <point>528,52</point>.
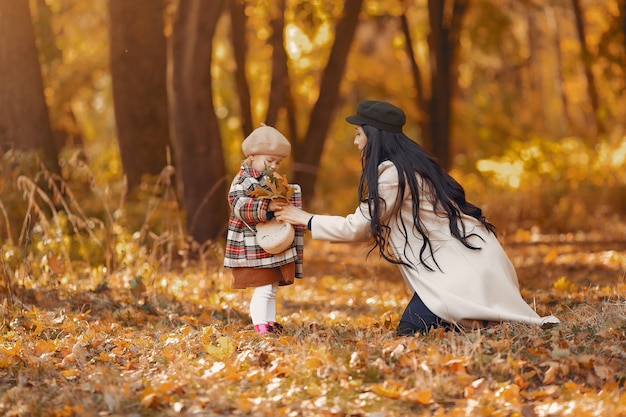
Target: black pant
<point>418,318</point>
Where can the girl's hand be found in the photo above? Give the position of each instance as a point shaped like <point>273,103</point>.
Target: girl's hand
<point>293,215</point>
<point>276,203</point>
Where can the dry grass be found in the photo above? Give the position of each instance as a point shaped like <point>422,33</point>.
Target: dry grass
<point>188,348</point>
<point>99,320</point>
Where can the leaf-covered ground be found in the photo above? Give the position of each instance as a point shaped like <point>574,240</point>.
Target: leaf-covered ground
<point>183,345</point>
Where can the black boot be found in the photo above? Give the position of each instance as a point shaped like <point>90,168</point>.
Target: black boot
<point>406,329</point>
<point>418,318</point>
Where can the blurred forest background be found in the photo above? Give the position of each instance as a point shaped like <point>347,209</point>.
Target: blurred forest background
<point>137,109</point>
<point>121,124</point>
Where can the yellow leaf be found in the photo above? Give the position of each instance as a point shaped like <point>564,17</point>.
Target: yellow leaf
<point>509,392</point>
<point>455,366</point>
<point>149,399</point>
<point>551,391</point>
<point>70,373</point>
<point>4,361</point>
<point>225,347</point>
<point>421,397</point>
<point>499,344</point>
<point>12,350</point>
<point>282,185</point>
<point>260,192</point>
<point>387,389</point>
<point>278,187</point>
<point>474,387</point>
<point>551,255</point>
<point>520,381</point>
<point>406,360</point>
<point>44,346</point>
<point>273,188</point>
<point>244,405</point>
<point>55,263</point>
<point>562,283</point>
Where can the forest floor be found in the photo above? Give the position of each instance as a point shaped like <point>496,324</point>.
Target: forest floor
<point>184,345</point>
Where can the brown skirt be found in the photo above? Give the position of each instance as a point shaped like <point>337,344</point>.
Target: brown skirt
<point>257,277</point>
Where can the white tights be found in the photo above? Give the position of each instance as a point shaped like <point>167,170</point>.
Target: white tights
<point>263,304</point>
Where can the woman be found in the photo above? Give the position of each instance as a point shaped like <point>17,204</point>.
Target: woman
<point>418,218</point>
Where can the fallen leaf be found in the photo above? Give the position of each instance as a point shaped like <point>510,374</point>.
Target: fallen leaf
<point>224,349</point>
<point>550,374</point>
<point>419,397</point>
<point>388,389</point>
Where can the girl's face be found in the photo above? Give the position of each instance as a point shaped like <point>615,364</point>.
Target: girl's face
<point>360,139</point>
<point>258,162</point>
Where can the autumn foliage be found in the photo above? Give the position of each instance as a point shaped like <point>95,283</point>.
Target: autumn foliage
<point>109,309</point>
<point>278,187</point>
<point>108,306</point>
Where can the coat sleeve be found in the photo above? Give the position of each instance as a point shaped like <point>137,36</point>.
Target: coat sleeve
<point>356,226</point>
<point>296,200</point>
<point>250,210</point>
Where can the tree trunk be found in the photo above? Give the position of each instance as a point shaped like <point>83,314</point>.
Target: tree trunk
<point>621,19</point>
<point>238,35</point>
<point>280,90</point>
<point>443,43</point>
<point>586,60</point>
<point>533,95</point>
<point>417,80</point>
<point>195,130</point>
<point>566,122</point>
<point>65,128</point>
<point>138,68</point>
<point>307,157</point>
<point>622,25</point>
<point>24,117</point>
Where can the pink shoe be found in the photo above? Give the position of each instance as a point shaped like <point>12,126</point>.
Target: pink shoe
<point>262,328</point>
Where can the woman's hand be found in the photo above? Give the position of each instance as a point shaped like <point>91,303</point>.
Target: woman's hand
<point>293,215</point>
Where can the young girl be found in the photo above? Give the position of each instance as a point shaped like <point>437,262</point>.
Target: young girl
<point>417,216</point>
<point>265,148</point>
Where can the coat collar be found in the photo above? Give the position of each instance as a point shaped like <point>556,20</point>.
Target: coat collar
<point>252,172</point>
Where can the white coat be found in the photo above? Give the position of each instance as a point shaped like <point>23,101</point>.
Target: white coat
<point>467,285</point>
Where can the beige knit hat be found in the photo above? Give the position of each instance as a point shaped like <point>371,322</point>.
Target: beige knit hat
<point>265,140</point>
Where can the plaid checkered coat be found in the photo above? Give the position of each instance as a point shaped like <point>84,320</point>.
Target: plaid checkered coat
<point>241,248</point>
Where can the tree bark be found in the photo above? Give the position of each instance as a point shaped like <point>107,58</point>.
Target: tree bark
<point>194,125</point>
<point>622,25</point>
<point>622,19</point>
<point>307,156</point>
<point>65,128</point>
<point>280,90</point>
<point>552,19</point>
<point>535,90</point>
<point>422,103</point>
<point>138,68</point>
<point>443,43</point>
<point>238,36</point>
<point>24,117</point>
<point>586,61</point>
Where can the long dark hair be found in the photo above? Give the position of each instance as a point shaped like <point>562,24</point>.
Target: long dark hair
<point>410,159</point>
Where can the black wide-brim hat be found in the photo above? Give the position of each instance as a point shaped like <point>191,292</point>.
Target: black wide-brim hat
<point>378,114</point>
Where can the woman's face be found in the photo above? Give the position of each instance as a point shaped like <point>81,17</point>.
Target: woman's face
<point>360,139</point>
<point>258,162</point>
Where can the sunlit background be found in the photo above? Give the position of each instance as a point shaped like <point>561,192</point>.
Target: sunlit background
<point>523,128</point>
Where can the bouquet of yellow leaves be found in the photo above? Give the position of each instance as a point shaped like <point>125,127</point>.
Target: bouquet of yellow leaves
<point>278,184</point>
<point>274,237</point>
